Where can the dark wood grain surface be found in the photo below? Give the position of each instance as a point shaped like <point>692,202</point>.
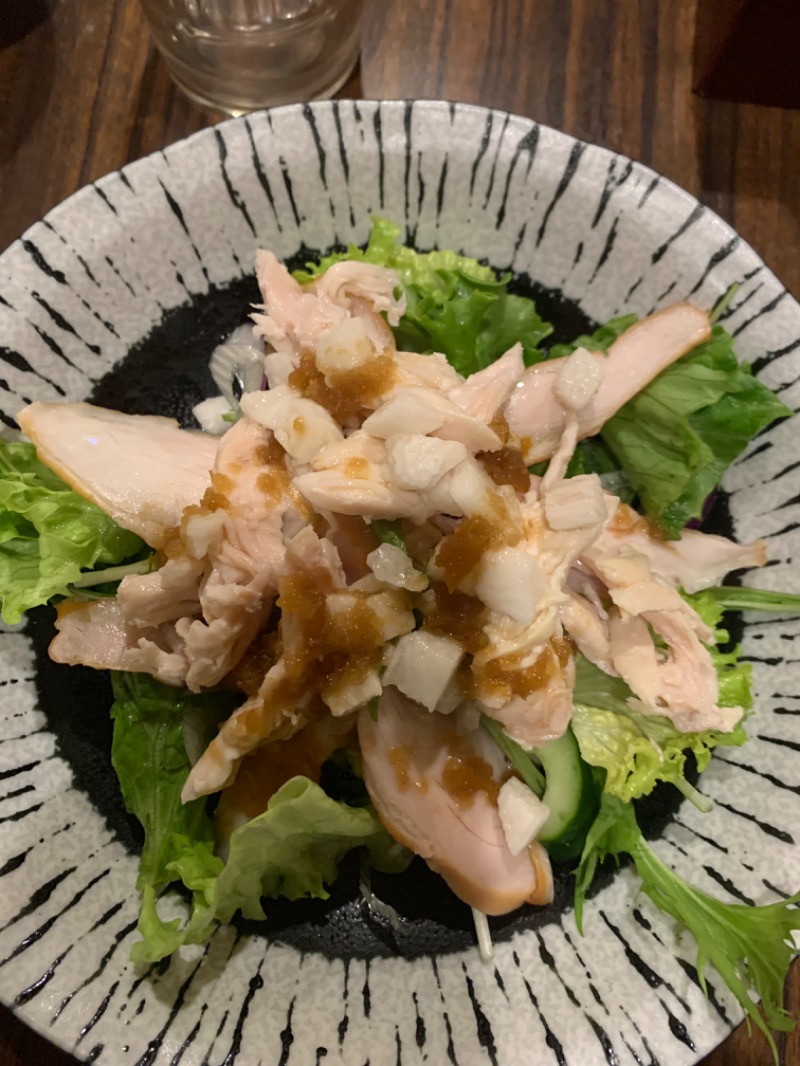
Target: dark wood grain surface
<point>82,92</point>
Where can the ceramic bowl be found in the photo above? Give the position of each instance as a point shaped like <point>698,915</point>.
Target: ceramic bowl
<point>119,294</point>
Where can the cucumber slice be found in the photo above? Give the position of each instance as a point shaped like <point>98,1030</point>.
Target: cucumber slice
<point>570,794</point>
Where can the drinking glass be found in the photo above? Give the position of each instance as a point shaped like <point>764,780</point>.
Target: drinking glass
<point>238,55</point>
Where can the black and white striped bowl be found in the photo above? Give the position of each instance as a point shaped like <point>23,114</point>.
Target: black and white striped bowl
<point>81,290</point>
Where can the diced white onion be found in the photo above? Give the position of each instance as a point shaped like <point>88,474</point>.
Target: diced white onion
<point>579,379</point>
<point>391,565</point>
<point>301,426</point>
<point>522,814</point>
<point>202,530</point>
<point>345,346</point>
<point>209,414</point>
<point>510,581</point>
<point>422,666</point>
<point>417,462</point>
<point>404,413</point>
<point>341,700</point>
<point>468,487</point>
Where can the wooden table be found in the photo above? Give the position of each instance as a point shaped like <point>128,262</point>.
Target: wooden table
<point>82,92</point>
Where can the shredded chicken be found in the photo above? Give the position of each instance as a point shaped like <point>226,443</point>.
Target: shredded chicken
<point>272,580</point>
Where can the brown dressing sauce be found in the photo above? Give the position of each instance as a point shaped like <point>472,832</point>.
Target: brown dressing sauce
<point>499,426</point>
<point>263,772</point>
<point>400,761</point>
<point>461,551</point>
<point>270,453</point>
<point>261,655</point>
<point>322,653</point>
<point>506,678</point>
<point>357,467</point>
<point>626,520</point>
<point>274,482</point>
<point>345,395</point>
<point>465,774</point>
<point>457,615</point>
<point>506,467</point>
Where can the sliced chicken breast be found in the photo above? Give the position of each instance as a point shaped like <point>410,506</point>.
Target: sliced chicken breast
<point>143,471</point>
<point>434,783</point>
<point>535,413</point>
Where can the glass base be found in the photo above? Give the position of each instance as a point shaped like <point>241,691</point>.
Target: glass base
<point>273,99</point>
<point>243,70</point>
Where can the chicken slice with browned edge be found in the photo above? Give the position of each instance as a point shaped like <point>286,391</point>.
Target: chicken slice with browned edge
<point>434,780</point>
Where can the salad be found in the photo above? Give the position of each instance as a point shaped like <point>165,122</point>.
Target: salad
<point>425,585</point>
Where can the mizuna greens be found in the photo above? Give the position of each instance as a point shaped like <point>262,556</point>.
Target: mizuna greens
<point>750,947</point>
<point>665,449</point>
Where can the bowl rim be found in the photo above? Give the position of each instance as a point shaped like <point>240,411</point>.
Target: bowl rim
<point>433,104</point>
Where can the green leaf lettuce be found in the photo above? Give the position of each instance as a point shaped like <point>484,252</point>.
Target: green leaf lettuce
<point>675,439</point>
<point>48,533</point>
<point>292,849</point>
<point>455,305</point>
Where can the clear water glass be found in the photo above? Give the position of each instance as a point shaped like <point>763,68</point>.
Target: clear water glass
<point>239,55</point>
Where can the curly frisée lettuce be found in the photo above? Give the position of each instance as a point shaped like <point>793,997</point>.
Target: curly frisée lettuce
<point>49,535</point>
<point>636,750</point>
<point>292,849</point>
<point>750,947</point>
<point>455,305</point>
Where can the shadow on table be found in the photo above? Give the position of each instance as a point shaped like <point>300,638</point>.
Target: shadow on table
<point>27,47</point>
<point>747,117</point>
<point>21,17</point>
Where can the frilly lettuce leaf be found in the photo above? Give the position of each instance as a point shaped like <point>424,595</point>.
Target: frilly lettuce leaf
<point>455,305</point>
<point>293,849</point>
<point>48,533</point>
<point>638,750</point>
<point>383,249</point>
<point>149,757</point>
